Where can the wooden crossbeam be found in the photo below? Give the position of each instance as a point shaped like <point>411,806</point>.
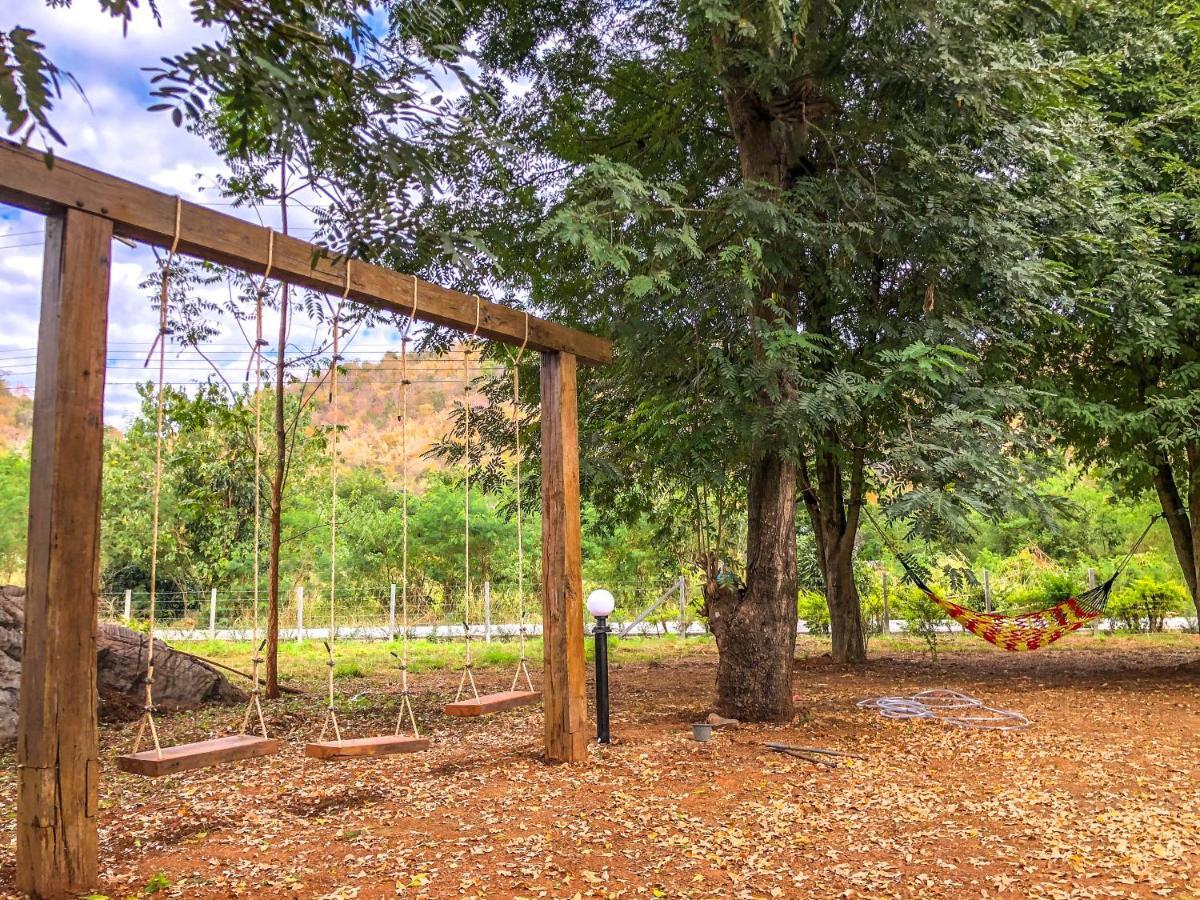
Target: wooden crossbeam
<point>147,215</point>
<point>491,703</point>
<point>182,757</point>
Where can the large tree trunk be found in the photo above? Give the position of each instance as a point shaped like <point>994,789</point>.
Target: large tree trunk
<point>1183,521</point>
<point>755,628</point>
<point>835,520</point>
<point>845,611</point>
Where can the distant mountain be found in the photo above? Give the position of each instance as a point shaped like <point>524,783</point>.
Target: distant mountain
<point>16,418</point>
<point>369,408</point>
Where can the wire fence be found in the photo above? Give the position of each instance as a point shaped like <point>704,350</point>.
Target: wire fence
<point>378,612</point>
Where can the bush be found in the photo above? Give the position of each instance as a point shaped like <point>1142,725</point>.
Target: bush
<point>924,617</point>
<point>1145,604</point>
<point>814,611</point>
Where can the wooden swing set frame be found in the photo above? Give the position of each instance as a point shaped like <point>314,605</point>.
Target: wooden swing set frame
<point>57,737</point>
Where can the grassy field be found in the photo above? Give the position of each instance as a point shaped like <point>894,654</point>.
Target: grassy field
<point>304,662</point>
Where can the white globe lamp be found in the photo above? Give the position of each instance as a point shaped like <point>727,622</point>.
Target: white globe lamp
<point>600,603</point>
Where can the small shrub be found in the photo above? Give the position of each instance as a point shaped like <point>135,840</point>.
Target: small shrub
<point>1145,604</point>
<point>814,611</point>
<point>157,882</point>
<point>924,617</point>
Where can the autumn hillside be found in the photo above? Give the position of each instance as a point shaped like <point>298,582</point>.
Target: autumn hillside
<point>16,418</point>
<point>369,404</point>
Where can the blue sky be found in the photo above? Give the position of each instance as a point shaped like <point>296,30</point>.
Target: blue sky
<point>111,130</point>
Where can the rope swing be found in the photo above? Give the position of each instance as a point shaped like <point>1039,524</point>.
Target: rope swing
<point>160,344</point>
<point>235,747</point>
<point>523,663</point>
<point>380,745</point>
<point>331,713</point>
<point>405,696</point>
<point>468,675</point>
<point>256,659</point>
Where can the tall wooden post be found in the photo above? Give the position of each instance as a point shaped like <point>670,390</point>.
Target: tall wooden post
<point>562,575</point>
<point>57,757</point>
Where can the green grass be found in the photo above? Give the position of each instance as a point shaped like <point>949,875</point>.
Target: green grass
<point>306,661</point>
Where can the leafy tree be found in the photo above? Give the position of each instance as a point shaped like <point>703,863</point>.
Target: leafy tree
<point>1122,376</point>
<point>14,510</point>
<point>810,231</point>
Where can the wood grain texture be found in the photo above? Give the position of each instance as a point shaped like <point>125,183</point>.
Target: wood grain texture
<point>562,575</point>
<point>214,752</point>
<point>57,754</point>
<point>492,703</point>
<point>147,215</point>
<point>383,745</point>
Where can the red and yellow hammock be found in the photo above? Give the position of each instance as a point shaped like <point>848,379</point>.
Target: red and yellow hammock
<point>1027,630</point>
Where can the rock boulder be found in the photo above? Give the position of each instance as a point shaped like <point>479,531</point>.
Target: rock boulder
<point>180,682</point>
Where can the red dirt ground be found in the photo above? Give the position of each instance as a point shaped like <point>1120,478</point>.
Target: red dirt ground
<point>1100,797</point>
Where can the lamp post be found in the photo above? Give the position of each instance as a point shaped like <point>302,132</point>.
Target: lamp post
<point>600,603</point>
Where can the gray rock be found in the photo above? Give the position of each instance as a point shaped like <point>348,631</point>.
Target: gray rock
<point>180,682</point>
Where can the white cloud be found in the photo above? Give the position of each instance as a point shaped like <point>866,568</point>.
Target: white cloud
<point>112,130</point>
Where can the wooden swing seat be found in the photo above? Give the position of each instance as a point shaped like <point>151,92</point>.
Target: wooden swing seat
<point>383,745</point>
<point>492,703</point>
<point>214,752</point>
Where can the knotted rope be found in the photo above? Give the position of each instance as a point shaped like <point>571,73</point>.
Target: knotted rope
<point>255,703</point>
<point>405,696</point>
<point>523,663</point>
<point>468,675</point>
<point>160,344</point>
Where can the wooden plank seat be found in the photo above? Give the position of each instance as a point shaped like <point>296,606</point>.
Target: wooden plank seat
<point>382,745</point>
<point>492,703</point>
<point>216,751</point>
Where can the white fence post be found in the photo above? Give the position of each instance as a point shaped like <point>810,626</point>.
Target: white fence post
<point>212,615</point>
<point>392,615</point>
<point>487,612</point>
<point>299,613</point>
<point>128,606</point>
<point>987,591</point>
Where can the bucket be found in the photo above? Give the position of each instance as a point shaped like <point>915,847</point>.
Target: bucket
<point>701,731</point>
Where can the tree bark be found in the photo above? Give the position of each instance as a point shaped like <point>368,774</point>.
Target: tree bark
<point>1182,520</point>
<point>755,627</point>
<point>835,520</point>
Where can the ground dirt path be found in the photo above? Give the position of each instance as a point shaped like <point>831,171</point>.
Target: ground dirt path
<point>1100,797</point>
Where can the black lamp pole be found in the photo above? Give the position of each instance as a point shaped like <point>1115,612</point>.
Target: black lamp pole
<point>600,635</point>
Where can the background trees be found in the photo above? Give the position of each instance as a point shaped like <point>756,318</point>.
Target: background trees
<point>1122,373</point>
<point>812,232</point>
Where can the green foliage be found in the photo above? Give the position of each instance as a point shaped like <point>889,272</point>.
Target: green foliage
<point>14,511</point>
<point>1144,604</point>
<point>813,609</point>
<point>1121,372</point>
<point>923,617</point>
<point>157,882</point>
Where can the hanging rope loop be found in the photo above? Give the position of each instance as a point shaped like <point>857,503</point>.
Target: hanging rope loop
<point>522,663</point>
<point>159,345</point>
<point>468,676</point>
<point>254,705</point>
<point>406,707</point>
